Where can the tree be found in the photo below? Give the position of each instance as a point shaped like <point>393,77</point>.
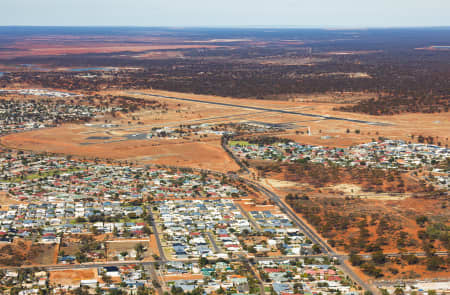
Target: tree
<point>202,261</point>
<point>80,291</point>
<point>434,263</point>
<point>139,248</point>
<point>355,259</point>
<point>80,257</point>
<point>411,259</point>
<point>378,257</point>
<point>106,279</point>
<point>156,284</point>
<point>316,249</point>
<point>421,220</point>
<point>143,291</point>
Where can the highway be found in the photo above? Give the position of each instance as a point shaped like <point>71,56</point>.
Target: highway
<point>262,109</point>
<point>315,238</point>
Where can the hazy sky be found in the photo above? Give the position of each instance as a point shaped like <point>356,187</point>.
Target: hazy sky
<point>312,13</point>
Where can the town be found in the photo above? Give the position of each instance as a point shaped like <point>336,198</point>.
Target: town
<point>66,204</point>
<point>384,154</point>
<point>117,227</point>
<point>158,148</point>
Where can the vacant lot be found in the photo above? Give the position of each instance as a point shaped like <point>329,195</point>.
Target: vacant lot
<point>72,277</point>
<point>250,205</point>
<point>5,201</point>
<point>22,252</point>
<point>116,247</point>
<point>90,246</point>
<point>207,154</point>
<point>367,225</point>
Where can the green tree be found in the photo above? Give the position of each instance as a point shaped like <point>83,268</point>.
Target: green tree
<point>379,258</point>
<point>355,259</point>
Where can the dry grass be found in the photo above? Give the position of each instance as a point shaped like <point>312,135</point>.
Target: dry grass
<point>207,152</point>
<point>168,278</point>
<point>24,252</point>
<point>116,247</point>
<point>72,276</point>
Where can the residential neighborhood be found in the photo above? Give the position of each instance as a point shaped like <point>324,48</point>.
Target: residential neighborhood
<point>67,204</point>
<point>386,154</point>
<point>70,225</point>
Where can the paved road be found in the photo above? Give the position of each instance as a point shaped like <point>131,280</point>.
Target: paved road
<point>250,219</point>
<point>87,265</point>
<point>392,255</point>
<point>257,276</point>
<point>162,255</point>
<point>315,238</point>
<point>263,109</point>
<point>213,242</point>
<point>154,276</point>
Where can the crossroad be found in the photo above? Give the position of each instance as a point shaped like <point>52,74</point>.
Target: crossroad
<point>315,238</point>
<point>305,228</point>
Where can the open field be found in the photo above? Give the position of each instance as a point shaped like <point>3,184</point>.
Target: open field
<point>94,44</point>
<point>24,252</point>
<point>153,246</point>
<point>72,277</point>
<point>362,224</point>
<point>398,269</point>
<point>137,98</point>
<point>116,247</point>
<point>5,201</point>
<point>206,152</point>
<point>398,127</point>
<point>356,191</point>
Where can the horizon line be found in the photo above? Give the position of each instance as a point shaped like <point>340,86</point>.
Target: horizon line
<point>234,27</point>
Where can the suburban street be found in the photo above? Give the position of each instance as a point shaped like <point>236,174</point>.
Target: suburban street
<point>162,255</point>
<point>154,276</point>
<point>213,242</point>
<point>309,233</point>
<point>251,220</point>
